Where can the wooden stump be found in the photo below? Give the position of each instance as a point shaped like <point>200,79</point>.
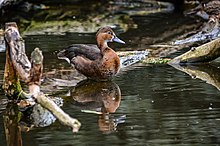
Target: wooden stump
<point>18,66</point>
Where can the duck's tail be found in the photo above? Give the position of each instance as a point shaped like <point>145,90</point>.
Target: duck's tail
<point>67,54</point>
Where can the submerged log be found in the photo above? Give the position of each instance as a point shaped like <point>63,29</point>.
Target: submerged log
<point>17,65</point>
<point>58,112</point>
<point>203,53</point>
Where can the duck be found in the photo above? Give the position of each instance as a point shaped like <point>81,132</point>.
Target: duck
<point>96,62</point>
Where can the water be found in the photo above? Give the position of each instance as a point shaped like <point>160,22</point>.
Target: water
<point>149,104</point>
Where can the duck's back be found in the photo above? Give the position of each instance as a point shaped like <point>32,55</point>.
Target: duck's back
<point>89,51</point>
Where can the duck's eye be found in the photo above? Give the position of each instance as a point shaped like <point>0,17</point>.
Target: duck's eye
<point>109,32</point>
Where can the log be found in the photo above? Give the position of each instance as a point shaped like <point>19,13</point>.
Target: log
<point>16,47</point>
<point>17,65</point>
<point>204,53</point>
<point>11,82</point>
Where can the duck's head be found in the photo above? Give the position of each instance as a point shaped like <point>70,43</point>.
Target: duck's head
<point>105,35</point>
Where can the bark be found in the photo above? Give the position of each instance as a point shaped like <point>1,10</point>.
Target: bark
<point>203,53</point>
<point>16,49</point>
<point>11,82</point>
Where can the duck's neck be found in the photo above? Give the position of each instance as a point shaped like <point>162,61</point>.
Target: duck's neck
<point>102,45</point>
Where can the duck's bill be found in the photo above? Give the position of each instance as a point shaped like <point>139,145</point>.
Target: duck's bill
<point>116,39</point>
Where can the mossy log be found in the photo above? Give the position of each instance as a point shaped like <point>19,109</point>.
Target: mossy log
<point>201,54</point>
<point>18,66</point>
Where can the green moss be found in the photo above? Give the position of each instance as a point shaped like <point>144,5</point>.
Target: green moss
<point>14,90</point>
<point>62,26</point>
<point>153,60</point>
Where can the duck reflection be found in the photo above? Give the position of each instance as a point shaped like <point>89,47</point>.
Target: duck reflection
<point>101,98</point>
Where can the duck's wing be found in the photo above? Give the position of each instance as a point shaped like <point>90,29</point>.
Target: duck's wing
<point>91,52</point>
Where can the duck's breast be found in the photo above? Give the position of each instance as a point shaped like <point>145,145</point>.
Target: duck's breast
<point>110,64</point>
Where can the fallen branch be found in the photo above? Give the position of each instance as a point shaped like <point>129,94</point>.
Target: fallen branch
<point>57,112</point>
<point>17,65</point>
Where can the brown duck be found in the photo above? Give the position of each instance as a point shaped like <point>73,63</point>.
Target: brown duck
<point>98,62</point>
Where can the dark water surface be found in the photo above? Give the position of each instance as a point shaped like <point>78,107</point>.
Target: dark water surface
<point>148,104</point>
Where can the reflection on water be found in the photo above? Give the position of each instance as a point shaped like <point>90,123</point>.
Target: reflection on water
<point>102,98</point>
<point>105,97</point>
<point>206,72</point>
<point>11,124</point>
<point>17,120</point>
<point>163,106</point>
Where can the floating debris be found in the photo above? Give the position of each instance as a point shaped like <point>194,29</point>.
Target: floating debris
<point>201,36</point>
<point>130,57</point>
<point>91,112</point>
